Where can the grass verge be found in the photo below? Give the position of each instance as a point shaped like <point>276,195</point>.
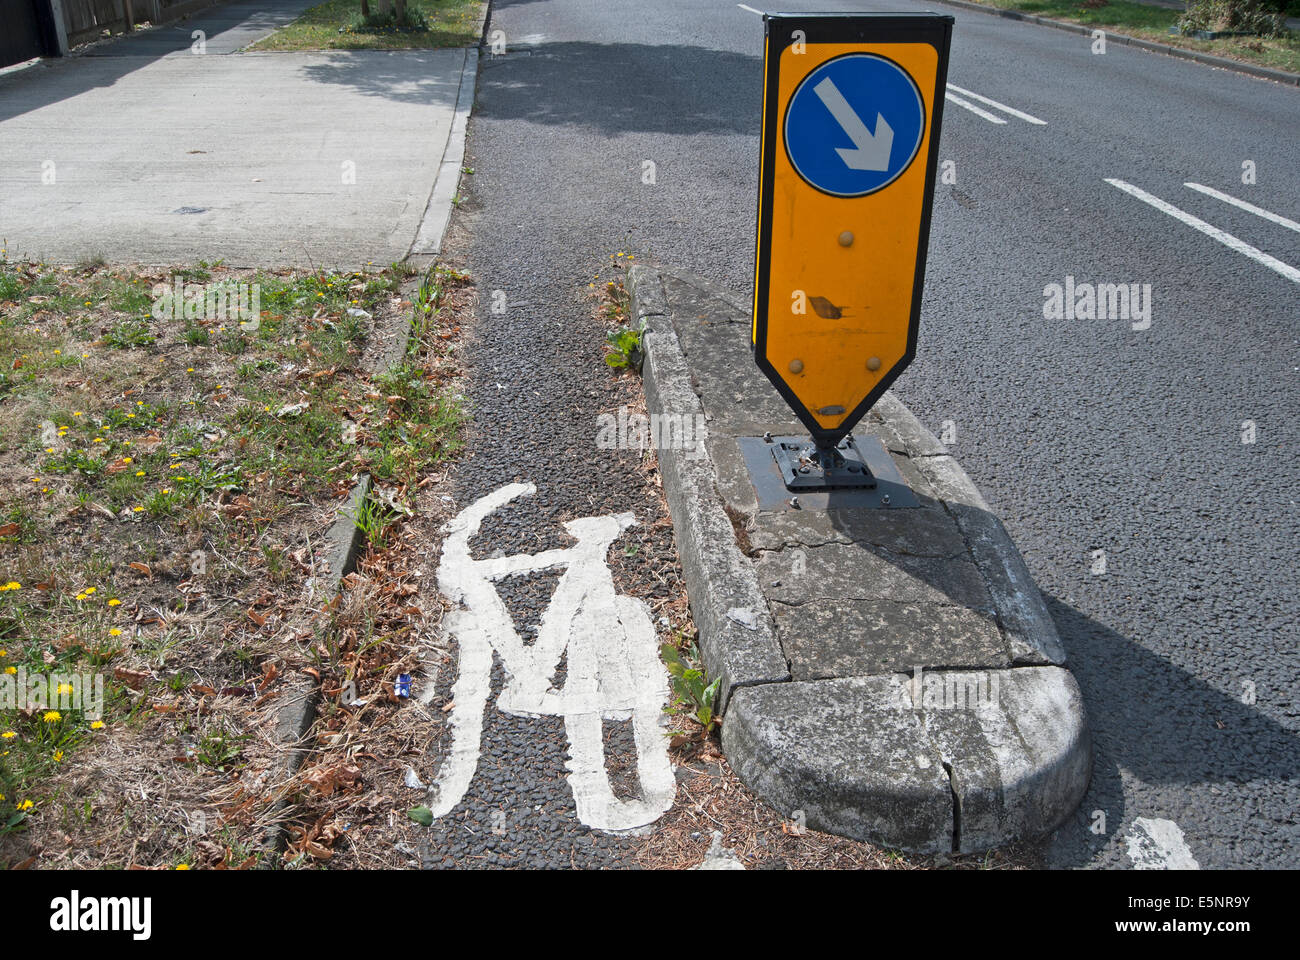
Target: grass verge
<point>168,477</point>
<point>1153,23</point>
<point>338,25</point>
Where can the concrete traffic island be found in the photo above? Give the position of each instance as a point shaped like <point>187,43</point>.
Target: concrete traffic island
<point>889,673</point>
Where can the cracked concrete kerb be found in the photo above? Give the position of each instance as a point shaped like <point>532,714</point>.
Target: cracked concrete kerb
<point>888,674</point>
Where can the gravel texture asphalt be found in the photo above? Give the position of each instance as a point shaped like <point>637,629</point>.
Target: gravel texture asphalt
<point>1083,435</point>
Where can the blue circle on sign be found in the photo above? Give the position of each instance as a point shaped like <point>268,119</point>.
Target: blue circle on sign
<point>854,125</point>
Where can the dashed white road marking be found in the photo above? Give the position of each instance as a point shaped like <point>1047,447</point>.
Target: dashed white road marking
<point>1248,207</point>
<point>745,6</point>
<point>613,667</point>
<point>1225,238</point>
<point>1028,118</point>
<point>979,112</point>
<point>1155,844</point>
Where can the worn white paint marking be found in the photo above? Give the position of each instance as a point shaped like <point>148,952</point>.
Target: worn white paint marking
<point>719,857</point>
<point>1227,239</point>
<point>745,6</point>
<point>613,667</point>
<point>1028,118</point>
<point>953,98</point>
<point>1248,207</point>
<point>1155,844</point>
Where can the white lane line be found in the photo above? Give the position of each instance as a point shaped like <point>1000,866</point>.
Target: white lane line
<point>745,6</point>
<point>953,98</point>
<point>1227,239</point>
<point>1028,118</point>
<point>1248,207</point>
<point>1156,844</point>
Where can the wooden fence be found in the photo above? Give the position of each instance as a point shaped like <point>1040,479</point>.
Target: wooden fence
<point>87,19</point>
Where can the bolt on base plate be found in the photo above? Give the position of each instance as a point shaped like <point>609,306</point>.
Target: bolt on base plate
<point>806,466</point>
<point>887,490</point>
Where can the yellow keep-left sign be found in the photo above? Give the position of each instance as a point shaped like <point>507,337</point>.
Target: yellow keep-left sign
<point>851,112</point>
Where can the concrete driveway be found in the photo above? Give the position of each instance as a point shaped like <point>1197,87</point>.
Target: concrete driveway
<point>149,153</point>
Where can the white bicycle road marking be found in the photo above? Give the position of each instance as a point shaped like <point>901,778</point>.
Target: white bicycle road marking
<point>1155,844</point>
<point>613,666</point>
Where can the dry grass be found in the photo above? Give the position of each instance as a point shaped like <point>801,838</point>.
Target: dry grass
<point>168,483</point>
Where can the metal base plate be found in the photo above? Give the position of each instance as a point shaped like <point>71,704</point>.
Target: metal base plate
<point>890,492</point>
<point>804,467</point>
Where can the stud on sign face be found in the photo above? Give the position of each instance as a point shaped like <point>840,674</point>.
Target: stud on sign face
<point>850,135</point>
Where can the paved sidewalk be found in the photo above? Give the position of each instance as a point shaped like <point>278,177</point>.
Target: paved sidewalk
<point>144,152</point>
<point>227,28</point>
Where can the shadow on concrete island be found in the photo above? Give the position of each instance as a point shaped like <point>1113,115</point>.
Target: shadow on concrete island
<point>614,88</point>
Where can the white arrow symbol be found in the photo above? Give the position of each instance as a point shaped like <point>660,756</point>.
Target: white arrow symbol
<point>868,152</point>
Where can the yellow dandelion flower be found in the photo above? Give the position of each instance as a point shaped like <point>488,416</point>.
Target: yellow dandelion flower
<point>137,509</point>
<point>51,716</point>
<point>115,632</point>
<point>115,602</point>
<point>90,590</point>
<point>11,670</point>
<point>58,755</point>
<point>24,806</point>
<point>97,725</point>
<point>139,473</point>
<point>65,689</point>
<point>182,866</point>
<point>8,735</point>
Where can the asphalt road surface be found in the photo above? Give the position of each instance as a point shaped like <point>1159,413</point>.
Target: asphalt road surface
<point>1165,545</point>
